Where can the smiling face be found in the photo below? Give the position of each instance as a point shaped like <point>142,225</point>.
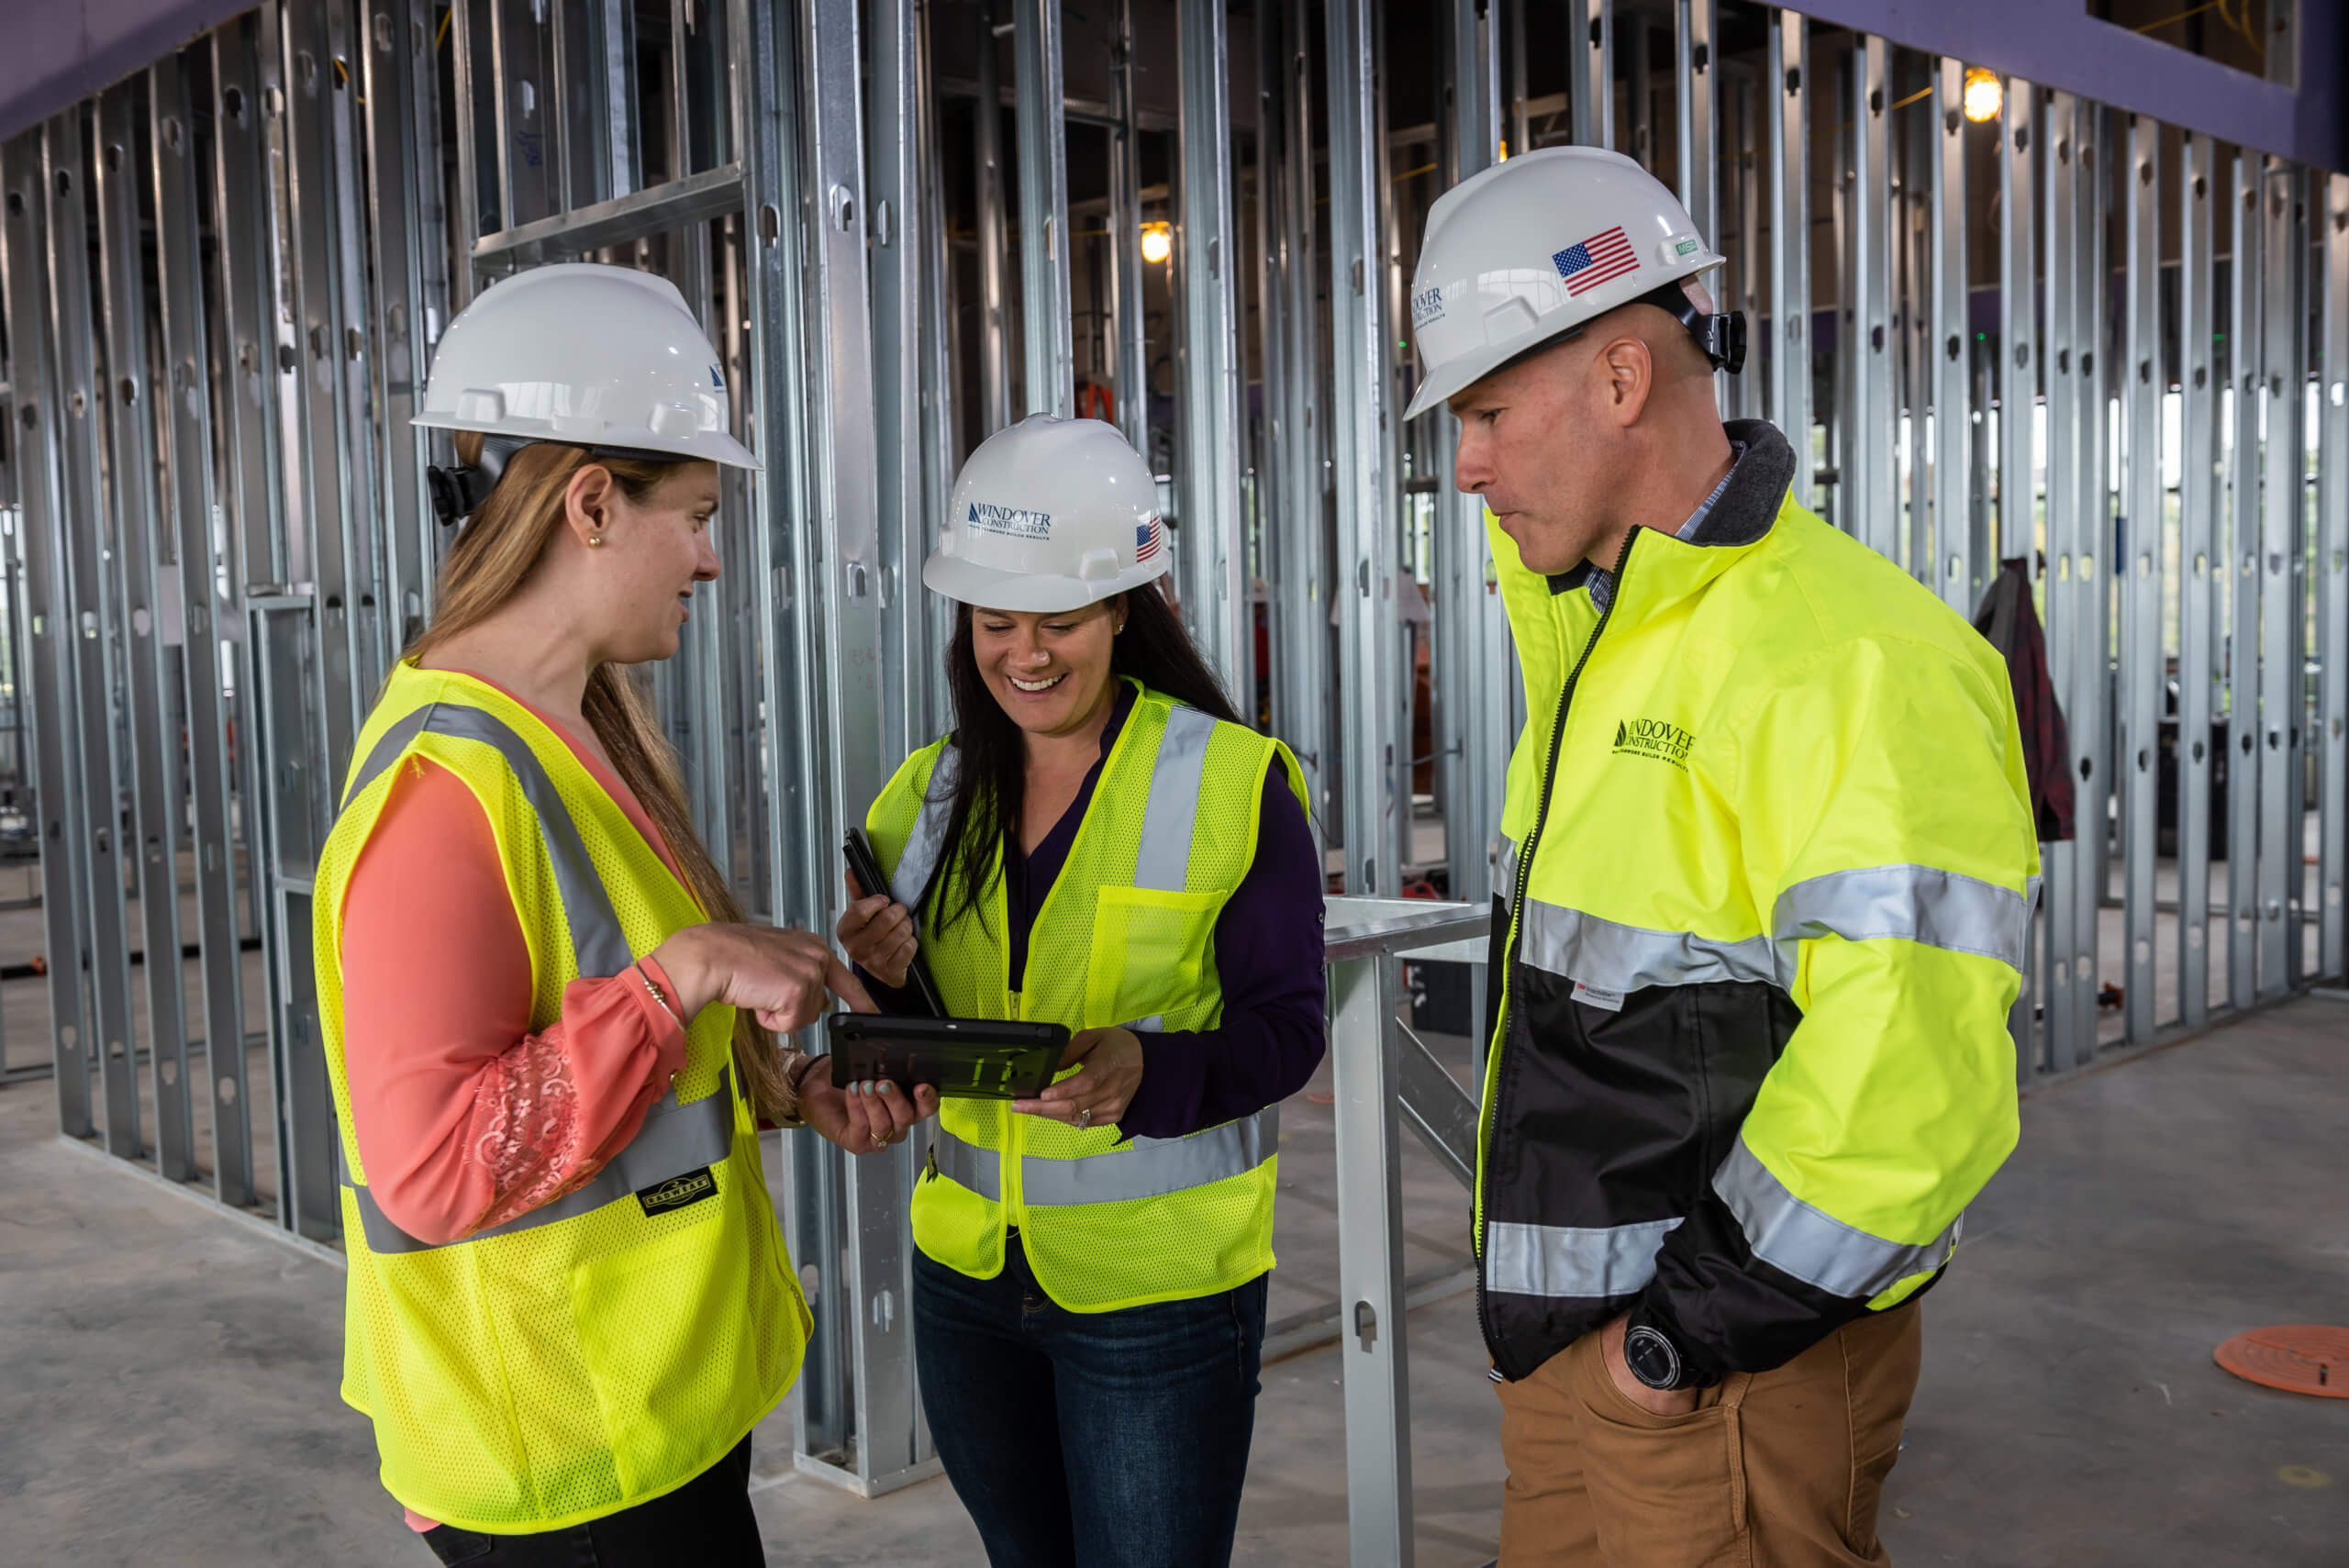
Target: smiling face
<point>1051,672</point>
<point>655,550</point>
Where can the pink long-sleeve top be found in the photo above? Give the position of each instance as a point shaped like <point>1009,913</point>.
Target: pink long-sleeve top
<point>465,1117</point>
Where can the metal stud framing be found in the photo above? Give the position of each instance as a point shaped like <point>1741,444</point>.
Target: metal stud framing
<point>223,529</point>
<point>1212,550</point>
<point>2281,574</point>
<point>1044,208</point>
<point>2245,754</point>
<point>1870,483</point>
<point>87,614</point>
<point>1592,86</point>
<point>2200,566</point>
<point>1377,781</point>
<point>2330,562</point>
<point>38,399</point>
<point>1955,575</point>
<point>1786,91</point>
<point>2139,562</point>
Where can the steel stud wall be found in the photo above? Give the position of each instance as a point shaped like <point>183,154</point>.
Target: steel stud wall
<point>2094,342</point>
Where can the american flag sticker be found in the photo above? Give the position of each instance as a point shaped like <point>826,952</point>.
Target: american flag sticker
<point>1150,538</point>
<point>1595,260</point>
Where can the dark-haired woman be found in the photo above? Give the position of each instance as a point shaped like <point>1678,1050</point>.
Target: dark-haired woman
<point>1102,844</point>
<point>545,1024</point>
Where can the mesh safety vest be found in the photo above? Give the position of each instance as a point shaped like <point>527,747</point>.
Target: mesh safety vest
<point>613,1344</point>
<point>1126,936</point>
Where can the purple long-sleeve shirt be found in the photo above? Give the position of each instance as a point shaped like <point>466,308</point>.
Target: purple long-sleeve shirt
<point>1267,958</point>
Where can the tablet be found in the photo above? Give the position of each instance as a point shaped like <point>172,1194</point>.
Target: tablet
<point>968,1059</point>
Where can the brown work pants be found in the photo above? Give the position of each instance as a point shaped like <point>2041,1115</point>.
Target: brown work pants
<point>1779,1469</point>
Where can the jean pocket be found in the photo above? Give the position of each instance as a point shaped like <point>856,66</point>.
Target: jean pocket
<point>450,1544</point>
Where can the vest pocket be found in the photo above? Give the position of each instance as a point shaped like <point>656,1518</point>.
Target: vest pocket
<point>670,1336</point>
<point>1148,957</point>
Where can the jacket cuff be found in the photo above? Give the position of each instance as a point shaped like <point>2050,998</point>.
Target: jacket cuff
<point>1698,1367</point>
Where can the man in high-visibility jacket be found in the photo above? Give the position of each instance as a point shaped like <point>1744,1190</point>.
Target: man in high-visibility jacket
<point>1765,878</point>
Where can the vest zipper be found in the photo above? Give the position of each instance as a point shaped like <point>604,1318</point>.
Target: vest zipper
<point>1525,853</point>
<point>929,1162</point>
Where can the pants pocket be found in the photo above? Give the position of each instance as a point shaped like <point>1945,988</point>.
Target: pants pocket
<point>1663,1489</point>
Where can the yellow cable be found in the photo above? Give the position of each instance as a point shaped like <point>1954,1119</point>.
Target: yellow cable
<point>442,36</point>
<point>2218,5</point>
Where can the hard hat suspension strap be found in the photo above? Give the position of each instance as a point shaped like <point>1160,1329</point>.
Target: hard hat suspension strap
<point>1720,335</point>
<point>462,489</point>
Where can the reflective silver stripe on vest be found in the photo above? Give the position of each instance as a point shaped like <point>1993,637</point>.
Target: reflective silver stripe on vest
<point>1164,859</point>
<point>1912,903</point>
<point>597,939</point>
<point>1575,1262</point>
<point>1505,869</point>
<point>1796,1239</point>
<point>388,750</point>
<point>919,863</point>
<point>1148,1167</point>
<point>674,1139</point>
<point>1616,957</point>
<point>966,1165</point>
<point>1153,1167</point>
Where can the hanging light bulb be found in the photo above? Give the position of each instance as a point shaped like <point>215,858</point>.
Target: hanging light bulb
<point>1157,241</point>
<point>1984,93</point>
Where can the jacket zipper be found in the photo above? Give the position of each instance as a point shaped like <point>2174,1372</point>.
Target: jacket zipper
<point>1525,853</point>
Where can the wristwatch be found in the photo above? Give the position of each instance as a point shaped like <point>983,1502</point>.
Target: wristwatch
<point>1654,1358</point>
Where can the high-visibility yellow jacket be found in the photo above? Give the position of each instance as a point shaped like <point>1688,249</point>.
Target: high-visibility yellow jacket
<point>610,1346</point>
<point>1768,871</point>
<point>1126,936</point>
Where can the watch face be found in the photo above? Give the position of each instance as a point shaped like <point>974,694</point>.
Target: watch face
<point>1651,1357</point>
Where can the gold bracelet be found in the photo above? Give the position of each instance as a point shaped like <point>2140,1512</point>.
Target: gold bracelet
<point>658,995</point>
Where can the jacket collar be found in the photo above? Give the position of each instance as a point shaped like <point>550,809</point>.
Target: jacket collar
<point>1743,515</point>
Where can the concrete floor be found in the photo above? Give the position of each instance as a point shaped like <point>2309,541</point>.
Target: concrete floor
<point>167,1374</point>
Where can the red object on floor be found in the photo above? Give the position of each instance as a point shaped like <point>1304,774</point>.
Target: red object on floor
<point>2299,1358</point>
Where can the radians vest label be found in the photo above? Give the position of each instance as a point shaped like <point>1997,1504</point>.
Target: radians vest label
<point>1009,521</point>
<point>678,1191</point>
<point>1653,738</point>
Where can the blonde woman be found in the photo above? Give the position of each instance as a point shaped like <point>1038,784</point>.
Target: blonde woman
<point>546,1024</point>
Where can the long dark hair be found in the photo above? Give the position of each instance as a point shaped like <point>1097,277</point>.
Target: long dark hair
<point>991,783</point>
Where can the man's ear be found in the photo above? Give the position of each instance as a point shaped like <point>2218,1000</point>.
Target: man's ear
<point>587,502</point>
<point>1627,369</point>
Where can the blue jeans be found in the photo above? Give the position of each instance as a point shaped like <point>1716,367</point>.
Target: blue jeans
<point>1089,1437</point>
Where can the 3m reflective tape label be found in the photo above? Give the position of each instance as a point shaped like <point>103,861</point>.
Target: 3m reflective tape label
<point>1592,996</point>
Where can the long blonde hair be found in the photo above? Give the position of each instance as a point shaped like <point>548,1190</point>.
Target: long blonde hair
<point>493,555</point>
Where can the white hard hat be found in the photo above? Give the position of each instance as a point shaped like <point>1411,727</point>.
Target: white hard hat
<point>607,358</point>
<point>1049,514</point>
<point>1527,251</point>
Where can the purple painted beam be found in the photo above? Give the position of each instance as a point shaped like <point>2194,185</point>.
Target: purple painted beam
<point>60,50</point>
<point>2056,43</point>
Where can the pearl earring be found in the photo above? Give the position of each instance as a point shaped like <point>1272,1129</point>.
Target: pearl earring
<point>595,541</point>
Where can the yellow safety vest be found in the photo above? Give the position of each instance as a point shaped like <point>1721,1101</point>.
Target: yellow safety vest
<point>610,1346</point>
<point>1126,936</point>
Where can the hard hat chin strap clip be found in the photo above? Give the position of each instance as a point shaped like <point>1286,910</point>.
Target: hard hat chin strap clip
<point>1720,335</point>
<point>460,490</point>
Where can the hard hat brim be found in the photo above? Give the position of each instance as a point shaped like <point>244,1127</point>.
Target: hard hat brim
<point>992,588</point>
<point>702,446</point>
